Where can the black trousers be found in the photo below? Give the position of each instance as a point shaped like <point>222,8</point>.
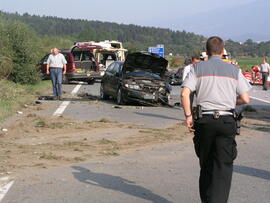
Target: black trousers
<point>265,80</point>
<point>215,145</point>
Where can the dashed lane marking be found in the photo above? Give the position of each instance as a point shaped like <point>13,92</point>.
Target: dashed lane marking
<point>64,104</point>
<point>5,185</point>
<point>262,100</point>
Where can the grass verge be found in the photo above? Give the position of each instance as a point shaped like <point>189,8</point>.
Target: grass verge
<point>247,63</point>
<point>14,96</point>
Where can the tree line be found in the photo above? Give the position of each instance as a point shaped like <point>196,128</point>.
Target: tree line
<point>24,39</point>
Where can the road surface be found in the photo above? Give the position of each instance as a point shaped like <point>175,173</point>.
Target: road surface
<point>166,173</point>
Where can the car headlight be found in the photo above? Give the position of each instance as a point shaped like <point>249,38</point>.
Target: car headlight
<point>136,87</point>
<point>132,86</point>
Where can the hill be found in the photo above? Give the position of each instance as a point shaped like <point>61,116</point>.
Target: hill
<point>62,32</point>
<point>133,36</point>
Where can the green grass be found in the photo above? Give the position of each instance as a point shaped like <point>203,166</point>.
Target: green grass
<point>247,63</point>
<point>14,96</point>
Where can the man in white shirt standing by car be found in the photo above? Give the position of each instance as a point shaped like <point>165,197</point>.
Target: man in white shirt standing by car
<point>194,59</point>
<point>265,70</point>
<point>56,67</point>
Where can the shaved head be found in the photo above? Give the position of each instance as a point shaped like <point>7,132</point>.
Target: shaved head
<point>55,51</point>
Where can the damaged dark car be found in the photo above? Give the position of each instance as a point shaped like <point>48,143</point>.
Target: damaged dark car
<point>139,79</point>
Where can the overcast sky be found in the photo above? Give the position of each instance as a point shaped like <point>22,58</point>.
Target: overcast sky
<point>140,12</point>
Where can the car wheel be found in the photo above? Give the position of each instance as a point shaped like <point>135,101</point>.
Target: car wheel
<point>119,98</point>
<point>65,80</point>
<point>91,82</point>
<point>103,95</point>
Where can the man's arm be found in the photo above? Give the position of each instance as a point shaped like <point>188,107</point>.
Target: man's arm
<point>64,68</point>
<point>48,65</point>
<point>185,100</point>
<point>243,99</point>
<point>48,69</point>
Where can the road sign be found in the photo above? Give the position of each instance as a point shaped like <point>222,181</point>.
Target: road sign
<point>159,50</point>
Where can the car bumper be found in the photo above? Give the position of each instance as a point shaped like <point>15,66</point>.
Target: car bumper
<point>143,97</point>
<point>84,76</point>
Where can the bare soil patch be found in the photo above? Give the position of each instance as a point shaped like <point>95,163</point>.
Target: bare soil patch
<point>41,142</point>
<point>36,142</point>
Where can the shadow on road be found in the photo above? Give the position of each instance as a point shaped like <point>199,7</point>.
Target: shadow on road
<point>116,183</point>
<point>259,173</point>
<point>157,116</point>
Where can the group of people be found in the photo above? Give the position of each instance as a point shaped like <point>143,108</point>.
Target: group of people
<point>219,86</point>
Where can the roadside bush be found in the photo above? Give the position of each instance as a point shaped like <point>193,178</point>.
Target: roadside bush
<point>19,52</point>
<point>25,74</point>
<point>6,67</point>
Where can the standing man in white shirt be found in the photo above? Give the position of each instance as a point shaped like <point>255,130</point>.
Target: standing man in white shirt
<point>194,59</point>
<point>265,70</point>
<point>56,67</point>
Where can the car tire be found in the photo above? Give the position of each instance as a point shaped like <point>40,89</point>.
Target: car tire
<point>103,95</point>
<point>119,97</point>
<point>65,79</point>
<point>91,82</point>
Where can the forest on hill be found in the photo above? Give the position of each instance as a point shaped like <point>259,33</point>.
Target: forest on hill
<point>134,37</point>
<point>24,39</point>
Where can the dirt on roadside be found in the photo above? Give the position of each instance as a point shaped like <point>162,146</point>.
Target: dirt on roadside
<point>43,142</point>
<point>38,142</point>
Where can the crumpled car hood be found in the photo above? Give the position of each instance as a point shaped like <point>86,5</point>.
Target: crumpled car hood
<point>145,62</point>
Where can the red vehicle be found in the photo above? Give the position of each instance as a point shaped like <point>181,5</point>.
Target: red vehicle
<point>81,65</point>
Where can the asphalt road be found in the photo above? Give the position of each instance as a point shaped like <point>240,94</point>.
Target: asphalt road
<point>163,174</point>
<point>167,173</point>
<point>90,108</point>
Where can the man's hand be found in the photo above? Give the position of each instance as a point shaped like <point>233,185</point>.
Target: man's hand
<point>47,69</point>
<point>189,123</point>
<point>65,69</point>
<point>185,100</point>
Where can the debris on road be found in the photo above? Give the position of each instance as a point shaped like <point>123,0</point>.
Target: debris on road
<point>4,129</point>
<point>19,112</point>
<point>117,107</point>
<point>45,98</point>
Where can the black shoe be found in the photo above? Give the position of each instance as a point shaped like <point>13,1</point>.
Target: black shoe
<point>60,98</point>
<point>54,98</point>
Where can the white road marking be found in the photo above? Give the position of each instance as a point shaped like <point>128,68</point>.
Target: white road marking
<point>268,102</point>
<point>76,89</point>
<point>5,186</point>
<point>61,108</point>
<point>64,104</point>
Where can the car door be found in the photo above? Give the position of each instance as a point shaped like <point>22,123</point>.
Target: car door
<point>115,80</point>
<point>107,78</point>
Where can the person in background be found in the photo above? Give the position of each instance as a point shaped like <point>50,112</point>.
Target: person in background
<point>203,56</point>
<point>265,71</point>
<point>56,67</point>
<point>194,59</point>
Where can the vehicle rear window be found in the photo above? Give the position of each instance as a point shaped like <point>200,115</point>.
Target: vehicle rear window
<point>77,55</point>
<point>87,56</point>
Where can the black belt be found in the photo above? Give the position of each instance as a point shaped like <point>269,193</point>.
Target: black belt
<point>218,113</point>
